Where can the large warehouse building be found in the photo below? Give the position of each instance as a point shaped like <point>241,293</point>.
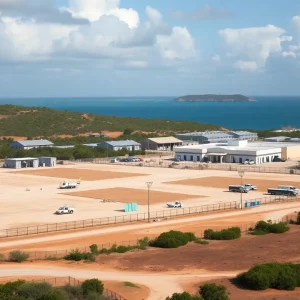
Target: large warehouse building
<point>218,136</point>
<point>238,152</point>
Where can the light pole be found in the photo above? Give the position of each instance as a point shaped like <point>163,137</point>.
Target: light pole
<point>241,174</point>
<point>149,184</point>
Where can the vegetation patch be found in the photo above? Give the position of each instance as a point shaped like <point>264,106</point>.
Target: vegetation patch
<point>173,239</point>
<point>297,222</point>
<point>281,276</point>
<point>225,234</point>
<point>18,256</point>
<point>263,227</point>
<point>130,284</point>
<point>91,289</point>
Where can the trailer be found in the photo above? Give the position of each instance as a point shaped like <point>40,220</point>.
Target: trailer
<point>282,192</point>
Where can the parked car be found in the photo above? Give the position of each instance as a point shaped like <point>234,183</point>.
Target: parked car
<point>250,186</point>
<point>251,162</point>
<point>66,209</point>
<point>246,162</point>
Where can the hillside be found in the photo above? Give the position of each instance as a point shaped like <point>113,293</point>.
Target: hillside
<point>35,122</point>
<point>214,98</point>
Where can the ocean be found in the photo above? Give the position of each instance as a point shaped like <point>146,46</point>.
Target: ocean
<point>265,113</point>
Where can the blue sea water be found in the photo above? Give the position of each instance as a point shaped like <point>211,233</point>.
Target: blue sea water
<point>265,113</point>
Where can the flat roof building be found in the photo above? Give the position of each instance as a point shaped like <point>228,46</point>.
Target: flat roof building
<point>238,152</point>
<point>24,162</point>
<point>161,143</point>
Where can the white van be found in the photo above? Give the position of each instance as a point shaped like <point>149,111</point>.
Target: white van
<point>288,187</point>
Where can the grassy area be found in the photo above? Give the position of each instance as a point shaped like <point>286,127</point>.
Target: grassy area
<point>130,284</point>
<point>46,122</point>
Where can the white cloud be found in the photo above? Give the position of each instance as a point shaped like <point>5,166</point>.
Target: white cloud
<point>114,33</point>
<point>246,66</point>
<point>178,45</point>
<point>253,45</point>
<point>296,22</point>
<point>94,9</point>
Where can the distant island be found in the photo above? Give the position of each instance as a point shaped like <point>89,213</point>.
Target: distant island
<point>214,98</point>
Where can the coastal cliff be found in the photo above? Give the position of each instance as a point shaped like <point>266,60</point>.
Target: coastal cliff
<point>214,98</point>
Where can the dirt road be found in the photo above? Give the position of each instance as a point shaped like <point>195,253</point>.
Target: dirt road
<point>160,286</point>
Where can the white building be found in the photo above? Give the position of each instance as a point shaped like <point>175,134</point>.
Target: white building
<point>161,143</point>
<point>29,144</point>
<point>232,152</point>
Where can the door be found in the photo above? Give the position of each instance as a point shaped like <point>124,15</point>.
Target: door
<point>240,160</point>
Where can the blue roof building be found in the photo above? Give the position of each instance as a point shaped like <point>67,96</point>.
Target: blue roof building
<point>29,144</point>
<point>119,145</point>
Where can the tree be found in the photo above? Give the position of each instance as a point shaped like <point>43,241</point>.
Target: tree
<point>127,131</point>
<point>211,291</point>
<point>92,285</point>
<point>184,296</point>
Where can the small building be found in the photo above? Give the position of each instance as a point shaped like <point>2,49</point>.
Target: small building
<point>120,145</point>
<point>30,144</point>
<point>47,161</point>
<point>19,163</point>
<point>161,143</point>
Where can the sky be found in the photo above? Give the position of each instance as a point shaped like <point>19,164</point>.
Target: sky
<point>94,48</point>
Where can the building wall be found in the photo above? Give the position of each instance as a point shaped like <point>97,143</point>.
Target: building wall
<point>290,152</point>
<point>48,161</point>
<point>12,164</point>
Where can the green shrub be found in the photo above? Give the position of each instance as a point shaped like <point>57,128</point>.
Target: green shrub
<point>263,227</point>
<point>54,295</point>
<point>76,255</point>
<point>202,242</point>
<point>184,296</point>
<point>11,288</point>
<point>18,256</point>
<point>225,234</point>
<point>143,243</point>
<point>282,276</point>
<point>211,291</point>
<point>172,239</point>
<point>2,257</point>
<point>34,290</point>
<point>92,285</point>
<point>94,249</point>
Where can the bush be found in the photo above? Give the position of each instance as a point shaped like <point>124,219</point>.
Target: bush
<point>263,227</point>
<point>94,249</point>
<point>76,255</point>
<point>34,290</point>
<point>282,276</point>
<point>18,256</point>
<point>92,285</point>
<point>211,291</point>
<point>143,243</point>
<point>225,234</point>
<point>2,257</point>
<point>202,242</point>
<point>172,239</point>
<point>54,295</point>
<point>184,296</point>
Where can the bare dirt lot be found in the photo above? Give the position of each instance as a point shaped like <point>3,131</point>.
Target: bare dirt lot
<point>85,174</point>
<point>216,256</point>
<point>192,286</point>
<point>224,182</point>
<point>126,195</point>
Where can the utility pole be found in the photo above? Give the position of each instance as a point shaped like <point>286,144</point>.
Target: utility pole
<point>149,184</point>
<point>241,174</point>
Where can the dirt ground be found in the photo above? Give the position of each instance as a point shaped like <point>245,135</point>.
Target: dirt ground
<point>84,174</point>
<point>192,286</point>
<point>126,195</point>
<point>216,256</point>
<point>224,182</point>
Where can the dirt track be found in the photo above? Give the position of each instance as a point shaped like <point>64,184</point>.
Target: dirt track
<point>224,182</point>
<point>126,195</point>
<point>85,174</point>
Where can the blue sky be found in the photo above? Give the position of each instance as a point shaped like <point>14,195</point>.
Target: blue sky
<point>55,48</point>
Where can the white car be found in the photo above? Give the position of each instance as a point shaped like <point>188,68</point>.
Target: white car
<point>177,204</point>
<point>66,209</point>
<point>250,186</point>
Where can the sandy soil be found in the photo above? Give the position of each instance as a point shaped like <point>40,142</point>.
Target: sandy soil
<point>217,256</point>
<point>112,134</point>
<point>126,195</point>
<point>192,286</point>
<point>73,173</point>
<point>224,182</point>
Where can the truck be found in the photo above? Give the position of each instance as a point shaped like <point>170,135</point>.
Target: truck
<point>66,209</point>
<point>282,192</point>
<point>250,186</point>
<point>288,187</point>
<point>238,188</point>
<point>70,185</point>
<point>177,204</point>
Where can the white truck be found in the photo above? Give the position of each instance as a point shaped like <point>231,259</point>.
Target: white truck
<point>288,188</point>
<point>250,186</point>
<point>177,204</point>
<point>69,185</point>
<point>66,209</point>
